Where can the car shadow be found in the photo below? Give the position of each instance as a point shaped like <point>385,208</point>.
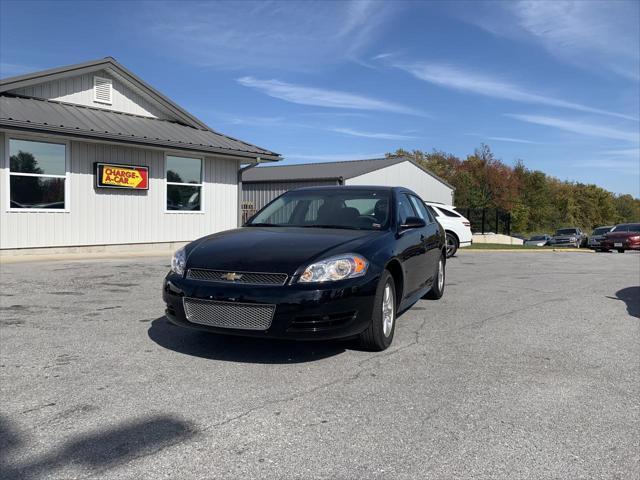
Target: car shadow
<point>231,348</point>
<point>630,296</point>
<point>97,451</point>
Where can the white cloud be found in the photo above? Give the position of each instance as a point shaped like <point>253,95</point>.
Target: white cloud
<point>594,35</point>
<point>376,135</point>
<point>469,81</point>
<point>622,166</point>
<point>276,34</point>
<point>625,152</point>
<point>320,97</point>
<point>512,140</point>
<point>579,127</point>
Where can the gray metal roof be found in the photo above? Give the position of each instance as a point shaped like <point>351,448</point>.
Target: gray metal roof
<point>80,121</point>
<point>326,170</point>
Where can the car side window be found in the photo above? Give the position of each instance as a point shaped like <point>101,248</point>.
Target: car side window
<point>432,211</point>
<point>419,207</point>
<point>405,210</point>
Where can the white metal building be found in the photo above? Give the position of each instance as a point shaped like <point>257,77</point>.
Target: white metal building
<point>91,155</point>
<point>260,185</point>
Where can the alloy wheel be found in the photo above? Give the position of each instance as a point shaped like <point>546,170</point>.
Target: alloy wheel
<point>388,310</point>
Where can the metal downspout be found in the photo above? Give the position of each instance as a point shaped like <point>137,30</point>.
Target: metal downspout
<point>240,172</point>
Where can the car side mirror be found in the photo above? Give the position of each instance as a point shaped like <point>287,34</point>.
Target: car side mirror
<point>412,222</point>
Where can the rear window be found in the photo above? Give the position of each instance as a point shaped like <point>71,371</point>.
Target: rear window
<point>448,213</point>
<point>539,237</point>
<point>601,230</point>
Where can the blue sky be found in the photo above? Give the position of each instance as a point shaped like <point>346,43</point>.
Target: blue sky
<point>556,84</point>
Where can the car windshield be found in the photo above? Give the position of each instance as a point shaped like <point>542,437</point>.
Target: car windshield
<point>327,208</point>
<point>601,230</point>
<point>566,231</point>
<point>630,227</point>
<point>539,237</point>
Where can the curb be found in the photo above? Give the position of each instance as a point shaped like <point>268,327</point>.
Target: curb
<point>57,257</point>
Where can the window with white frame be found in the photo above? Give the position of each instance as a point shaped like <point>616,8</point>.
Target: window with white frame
<point>184,183</point>
<point>37,174</point>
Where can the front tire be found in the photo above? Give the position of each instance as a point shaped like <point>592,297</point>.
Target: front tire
<point>379,334</point>
<point>452,245</point>
<point>437,288</point>
<point>621,250</point>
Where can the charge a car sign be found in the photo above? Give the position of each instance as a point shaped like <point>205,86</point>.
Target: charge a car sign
<point>122,176</point>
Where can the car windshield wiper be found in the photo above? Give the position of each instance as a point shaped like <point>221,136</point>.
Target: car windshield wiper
<point>262,224</point>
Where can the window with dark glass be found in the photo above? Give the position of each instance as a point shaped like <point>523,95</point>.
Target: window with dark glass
<point>405,210</point>
<point>184,183</point>
<point>37,174</point>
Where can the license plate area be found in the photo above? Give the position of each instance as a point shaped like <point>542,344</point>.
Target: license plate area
<point>617,244</point>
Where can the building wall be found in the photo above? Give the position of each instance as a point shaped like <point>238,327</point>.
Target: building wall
<point>115,216</point>
<point>261,193</point>
<point>79,90</point>
<point>407,175</point>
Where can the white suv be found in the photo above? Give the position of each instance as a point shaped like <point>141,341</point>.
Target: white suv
<point>457,227</point>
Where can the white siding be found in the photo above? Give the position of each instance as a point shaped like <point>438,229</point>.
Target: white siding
<point>407,175</point>
<point>113,216</point>
<point>79,90</point>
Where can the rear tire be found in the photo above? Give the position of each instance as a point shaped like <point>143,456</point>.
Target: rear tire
<point>452,245</point>
<point>379,334</point>
<point>437,288</point>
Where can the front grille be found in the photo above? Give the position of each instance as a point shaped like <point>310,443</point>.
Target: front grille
<point>247,278</point>
<point>245,316</point>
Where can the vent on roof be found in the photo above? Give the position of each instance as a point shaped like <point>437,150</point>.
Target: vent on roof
<point>102,90</point>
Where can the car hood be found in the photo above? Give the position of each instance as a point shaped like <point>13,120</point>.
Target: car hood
<point>273,249</point>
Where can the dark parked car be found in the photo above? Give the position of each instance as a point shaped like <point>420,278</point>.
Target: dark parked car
<point>316,263</point>
<point>625,236</point>
<point>596,237</point>
<point>569,237</point>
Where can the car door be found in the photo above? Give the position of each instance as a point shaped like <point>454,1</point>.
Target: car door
<point>412,247</point>
<point>432,235</point>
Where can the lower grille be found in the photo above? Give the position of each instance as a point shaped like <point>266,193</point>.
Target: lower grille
<point>315,323</point>
<point>245,316</point>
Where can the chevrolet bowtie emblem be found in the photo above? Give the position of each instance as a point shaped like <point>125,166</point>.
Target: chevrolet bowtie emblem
<point>232,276</point>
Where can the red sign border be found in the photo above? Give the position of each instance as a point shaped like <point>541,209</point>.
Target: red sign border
<point>97,174</point>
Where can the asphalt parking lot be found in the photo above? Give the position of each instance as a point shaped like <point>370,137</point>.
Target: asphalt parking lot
<point>527,368</point>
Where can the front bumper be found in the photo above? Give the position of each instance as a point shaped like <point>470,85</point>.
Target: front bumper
<point>303,312</point>
<point>625,245</point>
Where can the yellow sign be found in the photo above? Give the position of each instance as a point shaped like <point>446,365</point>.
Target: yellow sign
<point>122,176</point>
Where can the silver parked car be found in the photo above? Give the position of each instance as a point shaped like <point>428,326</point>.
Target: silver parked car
<point>597,235</point>
<point>538,241</point>
<point>569,237</point>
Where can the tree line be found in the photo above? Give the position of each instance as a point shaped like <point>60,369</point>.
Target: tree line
<point>536,201</point>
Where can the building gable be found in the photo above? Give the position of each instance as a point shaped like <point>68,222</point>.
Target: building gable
<point>154,103</point>
<point>80,90</point>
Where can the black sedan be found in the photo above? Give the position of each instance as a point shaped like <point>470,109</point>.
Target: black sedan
<point>316,263</point>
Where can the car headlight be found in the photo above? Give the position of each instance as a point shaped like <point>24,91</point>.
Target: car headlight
<point>573,239</point>
<point>179,261</point>
<point>340,267</point>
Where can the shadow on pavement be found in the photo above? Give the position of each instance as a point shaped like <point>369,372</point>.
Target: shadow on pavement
<point>230,348</point>
<point>97,451</point>
<point>630,296</point>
